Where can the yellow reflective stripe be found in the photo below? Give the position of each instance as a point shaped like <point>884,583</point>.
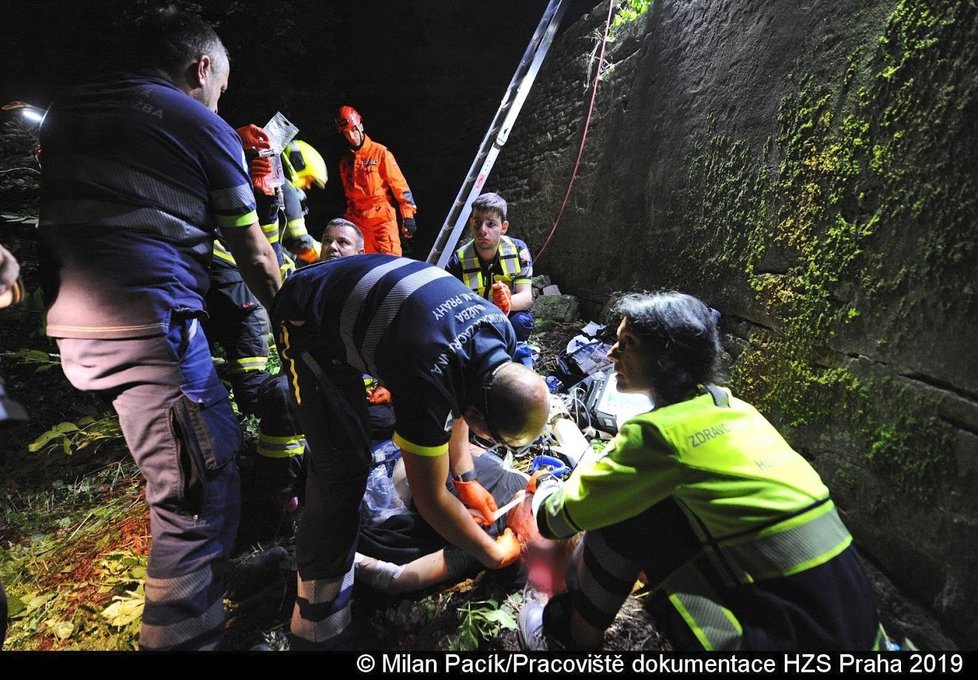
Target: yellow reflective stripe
<point>229,221</point>
<point>271,231</point>
<point>471,268</point>
<point>714,626</point>
<point>286,355</point>
<point>281,447</point>
<point>223,253</point>
<point>509,257</point>
<point>296,228</point>
<point>509,260</point>
<point>808,540</point>
<point>155,327</point>
<point>287,268</point>
<point>698,603</point>
<point>419,450</point>
<point>249,364</point>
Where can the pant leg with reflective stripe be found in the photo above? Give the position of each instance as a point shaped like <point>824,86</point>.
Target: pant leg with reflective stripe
<point>607,563</point>
<point>600,581</point>
<point>335,482</point>
<point>178,423</point>
<point>240,325</point>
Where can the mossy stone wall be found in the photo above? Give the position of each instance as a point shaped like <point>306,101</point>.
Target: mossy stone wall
<point>808,169</point>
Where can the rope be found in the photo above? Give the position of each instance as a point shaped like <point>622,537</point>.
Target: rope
<point>587,124</point>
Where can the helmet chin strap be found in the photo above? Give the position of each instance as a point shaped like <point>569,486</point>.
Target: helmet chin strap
<point>363,138</point>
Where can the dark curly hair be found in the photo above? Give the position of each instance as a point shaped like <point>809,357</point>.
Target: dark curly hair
<point>679,331</point>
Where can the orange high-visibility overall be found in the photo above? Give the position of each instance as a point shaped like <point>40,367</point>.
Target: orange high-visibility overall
<point>368,174</point>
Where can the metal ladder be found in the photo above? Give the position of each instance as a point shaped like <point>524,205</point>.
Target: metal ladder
<point>498,133</point>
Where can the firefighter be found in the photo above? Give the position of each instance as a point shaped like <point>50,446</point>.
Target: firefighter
<point>238,324</point>
<point>305,169</point>
<point>370,175</point>
<point>734,530</point>
<point>137,173</point>
<point>339,319</point>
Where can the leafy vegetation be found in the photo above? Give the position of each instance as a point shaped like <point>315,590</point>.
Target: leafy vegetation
<point>483,620</point>
<point>73,559</point>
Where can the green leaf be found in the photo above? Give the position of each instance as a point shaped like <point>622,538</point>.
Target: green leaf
<point>43,440</point>
<point>63,629</point>
<point>15,606</point>
<point>501,618</point>
<point>39,601</point>
<point>124,610</point>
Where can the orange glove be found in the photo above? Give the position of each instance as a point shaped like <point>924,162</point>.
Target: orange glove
<point>502,296</point>
<point>474,496</point>
<point>259,166</point>
<point>380,395</point>
<point>253,137</point>
<point>510,546</point>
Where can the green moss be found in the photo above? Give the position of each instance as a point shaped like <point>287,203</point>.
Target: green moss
<point>870,197</point>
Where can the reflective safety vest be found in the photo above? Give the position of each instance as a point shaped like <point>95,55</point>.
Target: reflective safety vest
<point>509,261</point>
<point>804,537</point>
<point>758,509</point>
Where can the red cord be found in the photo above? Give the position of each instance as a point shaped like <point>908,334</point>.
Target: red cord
<point>587,124</point>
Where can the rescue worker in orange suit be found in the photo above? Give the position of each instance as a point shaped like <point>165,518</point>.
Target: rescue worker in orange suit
<point>239,325</point>
<point>370,174</point>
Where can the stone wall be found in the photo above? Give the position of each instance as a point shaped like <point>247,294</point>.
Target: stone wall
<point>806,168</point>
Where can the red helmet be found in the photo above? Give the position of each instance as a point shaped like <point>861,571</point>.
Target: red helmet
<point>347,119</point>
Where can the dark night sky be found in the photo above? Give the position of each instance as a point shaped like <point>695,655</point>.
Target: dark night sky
<point>427,76</point>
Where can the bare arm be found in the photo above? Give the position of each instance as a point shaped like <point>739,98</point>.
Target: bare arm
<point>444,512</point>
<point>522,297</point>
<point>256,261</point>
<point>459,454</point>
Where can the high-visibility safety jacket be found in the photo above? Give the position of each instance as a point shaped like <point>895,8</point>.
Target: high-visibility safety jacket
<point>368,173</point>
<point>758,509</point>
<point>513,270</point>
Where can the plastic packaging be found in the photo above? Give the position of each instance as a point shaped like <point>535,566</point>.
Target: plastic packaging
<point>280,132</point>
<point>380,500</point>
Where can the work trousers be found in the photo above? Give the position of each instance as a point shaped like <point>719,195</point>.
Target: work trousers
<point>379,226</point>
<point>239,324</point>
<point>181,431</point>
<point>522,322</point>
<point>332,410</point>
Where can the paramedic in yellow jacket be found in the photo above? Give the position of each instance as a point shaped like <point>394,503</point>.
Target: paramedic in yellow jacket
<point>736,533</point>
<point>370,175</point>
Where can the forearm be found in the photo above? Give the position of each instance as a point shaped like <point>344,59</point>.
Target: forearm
<point>256,261</point>
<point>444,512</point>
<point>522,298</point>
<point>459,454</point>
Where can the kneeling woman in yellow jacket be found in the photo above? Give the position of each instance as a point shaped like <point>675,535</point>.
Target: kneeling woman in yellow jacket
<point>733,529</point>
